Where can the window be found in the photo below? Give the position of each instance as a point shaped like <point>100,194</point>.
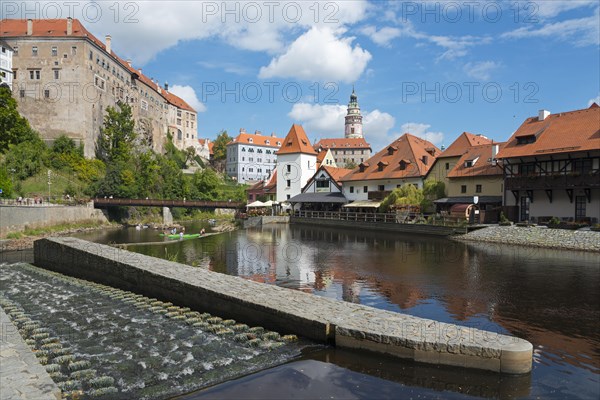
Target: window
<point>4,50</point>
<point>351,189</point>
<point>34,51</point>
<point>178,121</point>
<point>56,74</point>
<point>22,93</point>
<point>468,163</point>
<point>15,74</point>
<point>288,196</point>
<point>35,74</point>
<point>478,188</point>
<point>91,55</point>
<point>65,55</point>
<point>323,183</point>
<point>365,189</point>
<point>583,166</point>
<point>179,113</point>
<point>179,134</point>
<point>289,168</point>
<point>192,125</point>
<point>526,139</point>
<point>381,188</point>
<point>463,189</point>
<point>144,106</point>
<point>250,169</point>
<point>527,169</point>
<point>73,50</point>
<point>54,51</point>
<point>16,51</point>
<point>447,166</point>
<point>579,207</point>
<point>289,183</point>
<point>47,94</point>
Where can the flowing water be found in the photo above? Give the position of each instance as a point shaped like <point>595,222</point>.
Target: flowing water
<point>102,342</point>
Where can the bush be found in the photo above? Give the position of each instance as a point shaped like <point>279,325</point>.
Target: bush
<point>554,221</point>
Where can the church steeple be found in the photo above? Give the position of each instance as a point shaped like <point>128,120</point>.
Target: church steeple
<point>353,118</point>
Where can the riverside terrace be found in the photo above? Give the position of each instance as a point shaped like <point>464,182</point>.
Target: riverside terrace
<point>326,320</point>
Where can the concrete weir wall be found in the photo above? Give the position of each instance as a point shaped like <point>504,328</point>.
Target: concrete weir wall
<point>16,218</point>
<point>287,311</point>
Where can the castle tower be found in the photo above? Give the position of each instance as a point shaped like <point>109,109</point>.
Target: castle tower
<point>353,118</point>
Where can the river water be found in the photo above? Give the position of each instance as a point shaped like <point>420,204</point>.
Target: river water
<point>549,297</point>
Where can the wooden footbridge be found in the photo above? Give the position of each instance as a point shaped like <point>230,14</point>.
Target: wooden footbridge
<point>108,202</point>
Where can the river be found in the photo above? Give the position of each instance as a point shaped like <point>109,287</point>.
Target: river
<point>549,297</point>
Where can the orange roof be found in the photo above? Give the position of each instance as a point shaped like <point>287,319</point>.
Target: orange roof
<point>321,155</point>
<point>408,149</point>
<point>58,28</point>
<point>259,140</point>
<point>210,145</point>
<point>336,173</point>
<point>463,143</point>
<point>571,131</point>
<point>271,185</point>
<point>482,165</point>
<point>295,142</point>
<point>342,143</point>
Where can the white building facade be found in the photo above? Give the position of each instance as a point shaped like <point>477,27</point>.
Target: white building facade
<point>296,164</point>
<point>251,157</point>
<point>6,71</point>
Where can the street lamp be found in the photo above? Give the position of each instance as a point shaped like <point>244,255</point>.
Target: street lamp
<point>49,183</point>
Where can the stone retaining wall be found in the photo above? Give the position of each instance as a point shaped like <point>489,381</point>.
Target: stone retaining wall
<point>418,229</point>
<point>16,218</point>
<point>536,236</point>
<point>288,311</point>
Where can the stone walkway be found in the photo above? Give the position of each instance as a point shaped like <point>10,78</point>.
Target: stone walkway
<point>536,236</point>
<point>21,375</point>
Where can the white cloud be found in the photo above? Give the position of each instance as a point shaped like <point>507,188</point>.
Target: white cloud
<point>383,36</point>
<point>480,70</point>
<point>550,9</point>
<point>322,121</point>
<point>580,31</point>
<point>188,94</point>
<point>594,100</point>
<point>422,130</point>
<point>319,54</point>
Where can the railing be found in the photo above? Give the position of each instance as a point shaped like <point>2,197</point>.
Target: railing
<point>390,218</point>
<point>540,182</point>
<point>108,202</point>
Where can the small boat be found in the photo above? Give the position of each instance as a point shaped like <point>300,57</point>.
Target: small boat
<point>178,236</point>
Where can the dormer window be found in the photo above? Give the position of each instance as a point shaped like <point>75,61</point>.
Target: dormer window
<point>526,139</point>
<point>391,150</point>
<point>267,141</point>
<point>470,163</point>
<point>403,164</point>
<point>363,166</point>
<point>381,165</point>
<point>250,140</point>
<point>278,143</point>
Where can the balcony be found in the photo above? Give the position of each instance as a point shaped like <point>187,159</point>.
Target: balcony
<point>544,182</point>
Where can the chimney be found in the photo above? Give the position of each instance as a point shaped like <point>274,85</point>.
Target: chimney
<point>108,44</point>
<point>242,130</point>
<point>258,133</point>
<point>140,71</point>
<point>69,26</point>
<point>272,134</point>
<point>495,149</point>
<point>543,114</point>
<point>29,27</point>
<point>167,86</point>
<point>129,62</point>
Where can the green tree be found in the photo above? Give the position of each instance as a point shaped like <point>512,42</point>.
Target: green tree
<point>220,146</point>
<point>5,183</point>
<point>407,195</point>
<point>25,158</point>
<point>14,129</point>
<point>432,190</point>
<point>350,165</point>
<point>64,153</point>
<point>205,185</point>
<point>117,134</point>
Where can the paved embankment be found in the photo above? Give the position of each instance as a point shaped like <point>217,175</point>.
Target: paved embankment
<point>22,377</point>
<point>536,236</point>
<point>289,311</point>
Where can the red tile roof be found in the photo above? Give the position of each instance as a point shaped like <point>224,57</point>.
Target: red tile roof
<point>336,173</point>
<point>296,142</point>
<point>58,28</point>
<point>481,155</point>
<point>342,143</point>
<point>259,140</point>
<point>321,156</point>
<point>407,148</point>
<point>463,143</point>
<point>210,145</point>
<point>565,132</point>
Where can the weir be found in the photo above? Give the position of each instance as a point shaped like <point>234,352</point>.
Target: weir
<point>341,323</point>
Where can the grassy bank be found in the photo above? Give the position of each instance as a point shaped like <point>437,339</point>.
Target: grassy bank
<point>59,228</point>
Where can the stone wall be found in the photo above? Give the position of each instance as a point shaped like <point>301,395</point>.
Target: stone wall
<point>16,218</point>
<point>285,310</point>
<point>418,229</point>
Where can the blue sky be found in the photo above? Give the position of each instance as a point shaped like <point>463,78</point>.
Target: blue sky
<point>432,68</point>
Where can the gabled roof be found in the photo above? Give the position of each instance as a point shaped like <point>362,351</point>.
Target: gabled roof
<point>258,140</point>
<point>210,144</point>
<point>565,132</point>
<point>57,28</point>
<point>407,148</point>
<point>336,173</point>
<point>462,143</point>
<point>481,155</point>
<point>296,142</point>
<point>342,143</point>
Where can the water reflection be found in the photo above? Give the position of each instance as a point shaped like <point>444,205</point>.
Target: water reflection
<point>548,297</point>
